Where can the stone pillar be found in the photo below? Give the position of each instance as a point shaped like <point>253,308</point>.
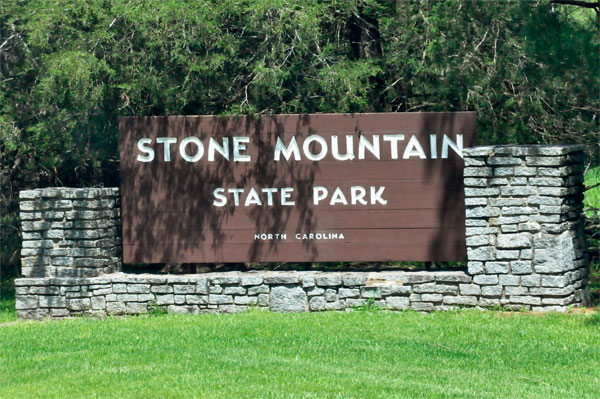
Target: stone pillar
<point>70,232</point>
<point>524,230</point>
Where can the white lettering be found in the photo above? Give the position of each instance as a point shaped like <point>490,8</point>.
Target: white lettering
<point>358,194</point>
<point>319,194</point>
<point>373,147</point>
<point>393,139</point>
<point>166,142</point>
<point>413,148</point>
<point>270,192</point>
<point>349,155</point>
<point>292,148</point>
<point>213,146</point>
<point>149,157</point>
<point>433,145</point>
<point>239,145</point>
<point>376,196</point>
<point>236,195</point>
<point>185,155</point>
<point>286,193</point>
<point>338,197</point>
<point>220,199</point>
<point>309,141</point>
<point>457,147</point>
<point>253,198</point>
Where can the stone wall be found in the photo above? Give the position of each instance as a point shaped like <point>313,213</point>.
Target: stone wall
<point>524,236</point>
<point>119,294</point>
<point>70,232</point>
<point>524,228</point>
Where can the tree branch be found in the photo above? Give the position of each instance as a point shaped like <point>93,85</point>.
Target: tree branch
<point>585,4</point>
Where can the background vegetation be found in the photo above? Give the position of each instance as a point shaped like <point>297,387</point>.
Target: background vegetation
<point>68,69</point>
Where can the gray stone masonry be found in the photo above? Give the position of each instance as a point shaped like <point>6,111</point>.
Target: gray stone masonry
<point>70,232</point>
<point>525,241</point>
<point>524,236</point>
<point>230,292</point>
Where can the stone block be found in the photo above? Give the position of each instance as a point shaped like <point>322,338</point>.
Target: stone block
<point>446,289</point>
<point>545,161</point>
<point>263,300</point>
<point>260,289</point>
<point>496,267</point>
<point>474,201</point>
<point>161,289</point>
<point>247,280</point>
<point>185,289</point>
<point>475,267</point>
<point>98,302</point>
<point>138,288</point>
<point>165,299</point>
<point>526,300</point>
<point>146,297</point>
<point>553,253</point>
<point>219,280</point>
<point>308,281</point>
<point>215,299</point>
<point>509,279</point>
<point>331,295</point>
<point>491,290</point>
<point>352,280</point>
<point>26,302</point>
<point>44,290</point>
<point>509,228</point>
<point>555,281</point>
<point>234,291</point>
<point>485,279</point>
<point>507,254</point>
<point>472,171</point>
<point>127,297</point>
<point>370,292</point>
<point>481,253</point>
<point>422,306</point>
<point>355,302</point>
<point>329,280</point>
<point>472,231</point>
<point>417,278</point>
<point>423,288</point>
<point>494,160</point>
<point>397,302</point>
<point>79,304</point>
<point>482,212</point>
<point>349,292</point>
<point>288,299</point>
<point>531,280</point>
<point>470,289</point>
<point>503,171</point>
<point>452,277</point>
<point>179,299</point>
<point>518,191</point>
<point>245,300</point>
<point>431,297</point>
<point>481,192</point>
<point>215,289</point>
<point>555,292</point>
<point>461,300</point>
<point>283,279</point>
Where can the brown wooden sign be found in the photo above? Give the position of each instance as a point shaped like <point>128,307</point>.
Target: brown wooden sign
<point>294,188</point>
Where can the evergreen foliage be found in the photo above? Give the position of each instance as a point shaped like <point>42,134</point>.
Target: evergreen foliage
<point>68,69</point>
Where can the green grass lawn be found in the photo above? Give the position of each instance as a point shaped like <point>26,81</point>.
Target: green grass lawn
<point>363,354</point>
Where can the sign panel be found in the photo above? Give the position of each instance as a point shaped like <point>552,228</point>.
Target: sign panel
<point>294,188</point>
